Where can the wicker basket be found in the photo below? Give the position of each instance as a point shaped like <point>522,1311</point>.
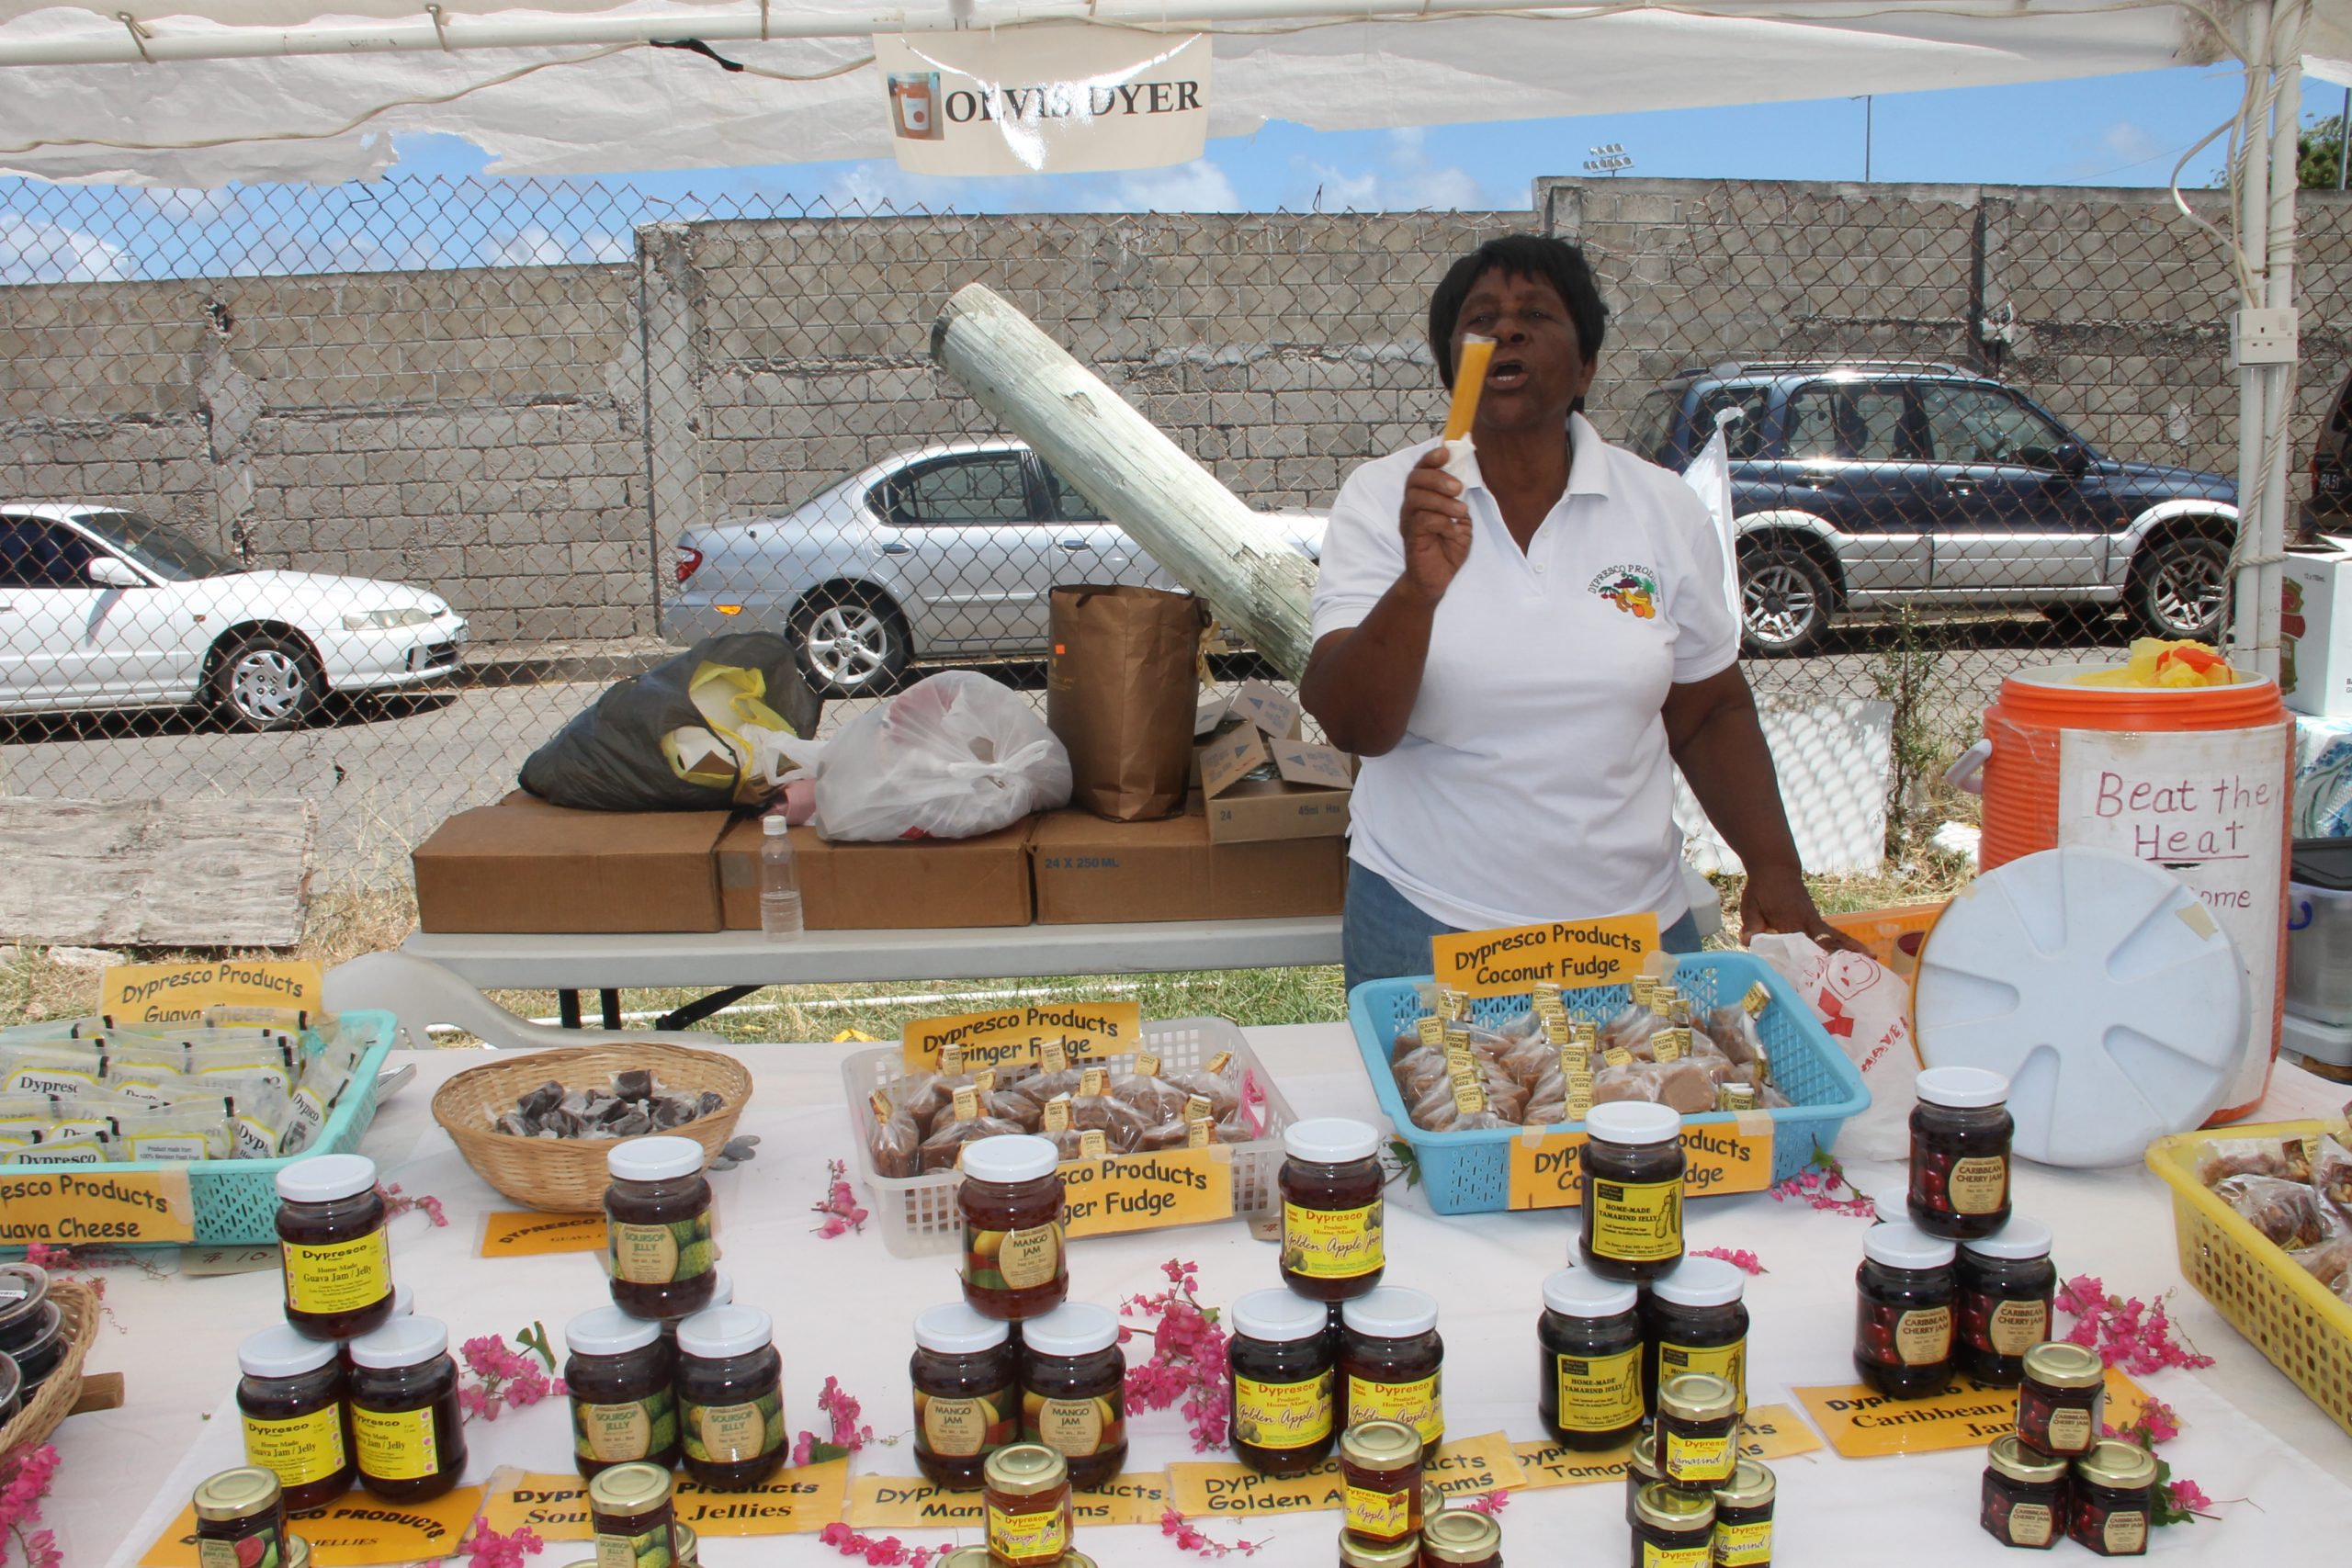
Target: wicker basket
<point>566,1176</point>
<point>77,1306</point>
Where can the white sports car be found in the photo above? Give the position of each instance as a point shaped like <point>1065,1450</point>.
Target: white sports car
<point>103,608</point>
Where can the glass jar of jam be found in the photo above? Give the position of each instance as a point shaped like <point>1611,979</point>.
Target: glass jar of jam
<point>617,1376</point>
<point>1074,1390</point>
<point>1588,1339</point>
<point>290,1402</point>
<point>1695,1320</point>
<point>1380,1479</point>
<point>1012,1199</point>
<point>1632,1209</point>
<point>1026,1500</point>
<point>1281,1363</point>
<point>407,1433</point>
<point>2061,1399</point>
<point>722,1294</point>
<point>240,1520</point>
<point>629,1509</point>
<point>1903,1329</point>
<point>730,1383</point>
<point>966,1376</point>
<point>297,1553</point>
<point>2006,1284</point>
<point>1672,1527</point>
<point>1744,1517</point>
<point>2024,1495</point>
<point>1697,1423</point>
<point>1333,1246</point>
<point>2113,1501</point>
<point>1959,1153</point>
<point>1392,1361</point>
<point>1640,1469</point>
<point>657,1228</point>
<point>1461,1537</point>
<point>338,1264</point>
<point>1355,1553</point>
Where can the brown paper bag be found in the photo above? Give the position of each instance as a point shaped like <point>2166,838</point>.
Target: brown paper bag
<point>1120,691</point>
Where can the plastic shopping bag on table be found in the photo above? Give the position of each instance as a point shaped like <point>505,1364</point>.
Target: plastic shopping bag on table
<point>1865,1007</point>
<point>951,756</point>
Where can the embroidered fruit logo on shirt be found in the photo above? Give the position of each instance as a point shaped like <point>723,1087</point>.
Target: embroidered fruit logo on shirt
<point>1632,589</point>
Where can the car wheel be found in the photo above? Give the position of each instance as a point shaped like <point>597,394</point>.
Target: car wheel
<point>2180,585</point>
<point>264,681</point>
<point>849,644</point>
<point>1784,602</point>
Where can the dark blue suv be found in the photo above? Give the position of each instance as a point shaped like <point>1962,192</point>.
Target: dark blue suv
<point>1862,484</point>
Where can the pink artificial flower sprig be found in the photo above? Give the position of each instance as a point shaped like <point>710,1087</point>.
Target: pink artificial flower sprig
<point>2134,1335</point>
<point>839,1204</point>
<point>1488,1503</point>
<point>498,1376</point>
<point>1742,1259</point>
<point>1823,1185</point>
<point>25,1476</point>
<point>485,1547</point>
<point>1187,1366</point>
<point>2178,1502</point>
<point>841,1407</point>
<point>889,1552</point>
<point>1189,1538</point>
<point>397,1202</point>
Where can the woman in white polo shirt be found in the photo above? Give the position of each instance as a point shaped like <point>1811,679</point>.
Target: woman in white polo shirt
<point>1522,664</point>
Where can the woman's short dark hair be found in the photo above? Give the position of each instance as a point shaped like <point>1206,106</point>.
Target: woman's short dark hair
<point>1538,257</point>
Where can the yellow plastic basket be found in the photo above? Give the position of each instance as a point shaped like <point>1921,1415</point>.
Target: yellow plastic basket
<point>2267,1296</point>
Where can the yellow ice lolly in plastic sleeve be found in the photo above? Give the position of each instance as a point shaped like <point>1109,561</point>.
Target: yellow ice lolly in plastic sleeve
<point>1469,380</point>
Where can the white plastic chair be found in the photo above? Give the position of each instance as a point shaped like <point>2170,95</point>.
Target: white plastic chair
<point>420,994</point>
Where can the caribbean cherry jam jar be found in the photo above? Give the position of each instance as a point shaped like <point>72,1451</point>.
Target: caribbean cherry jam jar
<point>1902,1317</point>
<point>1959,1153</point>
<point>2061,1401</point>
<point>2007,1287</point>
<point>2113,1499</point>
<point>2024,1495</point>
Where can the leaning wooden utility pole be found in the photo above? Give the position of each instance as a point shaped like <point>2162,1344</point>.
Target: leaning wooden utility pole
<point>1175,509</point>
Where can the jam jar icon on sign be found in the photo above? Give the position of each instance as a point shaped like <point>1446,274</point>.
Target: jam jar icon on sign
<point>914,102</point>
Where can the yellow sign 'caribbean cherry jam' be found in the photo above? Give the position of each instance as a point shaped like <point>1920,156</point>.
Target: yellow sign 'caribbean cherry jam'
<point>1333,1247</point>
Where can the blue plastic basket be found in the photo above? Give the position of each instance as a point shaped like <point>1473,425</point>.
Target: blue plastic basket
<point>1469,1173</point>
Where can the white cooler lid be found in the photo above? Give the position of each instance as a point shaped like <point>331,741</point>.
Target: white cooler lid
<point>2100,987</point>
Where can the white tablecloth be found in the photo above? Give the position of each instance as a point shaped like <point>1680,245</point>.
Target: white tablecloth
<point>843,1309</point>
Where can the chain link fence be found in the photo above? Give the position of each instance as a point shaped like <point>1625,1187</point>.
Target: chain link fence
<point>408,472</point>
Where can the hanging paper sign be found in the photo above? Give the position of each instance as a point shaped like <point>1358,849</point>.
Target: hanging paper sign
<point>1513,960</point>
<point>1044,100</point>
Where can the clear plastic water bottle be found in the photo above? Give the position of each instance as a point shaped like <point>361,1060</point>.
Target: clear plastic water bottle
<point>779,884</point>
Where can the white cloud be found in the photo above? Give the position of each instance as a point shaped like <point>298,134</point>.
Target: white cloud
<point>190,206</point>
<point>534,245</point>
<point>2121,145</point>
<point>34,250</point>
<point>1197,186</point>
<point>1402,180</point>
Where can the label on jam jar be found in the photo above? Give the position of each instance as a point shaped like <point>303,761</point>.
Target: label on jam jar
<point>1028,1538</point>
<point>1697,1459</point>
<point>732,1434</point>
<point>344,1275</point>
<point>1072,1427</point>
<point>2014,1327</point>
<point>1923,1337</point>
<point>961,1425</point>
<point>650,1550</point>
<point>1657,1556</point>
<point>658,1255</point>
<point>259,1551</point>
<point>1418,1404</point>
<point>395,1445</point>
<point>1018,1259</point>
<point>2126,1532</point>
<point>2030,1525</point>
<point>1332,1244</point>
<point>2070,1431</point>
<point>1599,1394</point>
<point>1979,1185</point>
<point>299,1450</point>
<point>613,1433</point>
<point>1728,1362</point>
<point>1637,1221</point>
<point>1282,1415</point>
<point>1744,1545</point>
<point>1383,1515</point>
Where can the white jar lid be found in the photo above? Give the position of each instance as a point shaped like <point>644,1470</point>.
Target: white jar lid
<point>608,1331</point>
<point>954,1329</point>
<point>1899,1244</point>
<point>722,1289</point>
<point>1330,1140</point>
<point>322,1179</point>
<point>1962,1089</point>
<point>1073,1328</point>
<point>1391,1311</point>
<point>403,1342</point>
<point>716,1333</point>
<point>1632,1121</point>
<point>654,1159</point>
<point>1010,1156</point>
<point>281,1352</point>
<point>2023,1237</point>
<point>1279,1315</point>
<point>404,1302</point>
<point>1700,1282</point>
<point>1580,1292</point>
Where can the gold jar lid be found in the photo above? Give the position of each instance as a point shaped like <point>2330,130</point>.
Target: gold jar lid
<point>2124,1466</point>
<point>1074,1560</point>
<point>1380,1445</point>
<point>1697,1396</point>
<point>297,1553</point>
<point>1645,1455</point>
<point>1023,1470</point>
<point>1751,1487</point>
<point>968,1557</point>
<point>2062,1364</point>
<point>685,1546</point>
<point>1355,1553</point>
<point>2011,1457</point>
<point>1460,1535</point>
<point>629,1489</point>
<point>1432,1500</point>
<point>237,1493</point>
<point>1664,1507</point>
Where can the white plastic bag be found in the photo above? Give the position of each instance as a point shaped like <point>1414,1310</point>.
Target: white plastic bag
<point>952,756</point>
<point>1865,1007</point>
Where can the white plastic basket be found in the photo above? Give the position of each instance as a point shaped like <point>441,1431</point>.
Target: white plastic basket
<point>918,1213</point>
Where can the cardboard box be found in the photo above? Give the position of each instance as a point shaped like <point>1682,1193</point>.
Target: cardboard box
<point>1309,800</point>
<point>1090,870</point>
<point>909,884</point>
<point>2315,633</point>
<point>524,866</point>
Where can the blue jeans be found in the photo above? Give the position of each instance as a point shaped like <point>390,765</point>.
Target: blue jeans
<point>1385,934</point>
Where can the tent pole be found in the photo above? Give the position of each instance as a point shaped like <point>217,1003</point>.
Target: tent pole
<point>2253,243</point>
<point>2279,400</point>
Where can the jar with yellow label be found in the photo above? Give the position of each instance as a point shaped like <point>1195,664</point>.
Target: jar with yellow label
<point>1902,1317</point>
<point>2062,1400</point>
<point>1640,1469</point>
<point>1698,1424</point>
<point>1380,1482</point>
<point>967,1379</point>
<point>689,1547</point>
<point>2024,1496</point>
<point>240,1520</point>
<point>1461,1537</point>
<point>632,1517</point>
<point>289,1399</point>
<point>297,1553</point>
<point>1074,1390</point>
<point>1333,1242</point>
<point>1695,1320</point>
<point>658,1243</point>
<point>1588,1339</point>
<point>1392,1363</point>
<point>1632,1209</point>
<point>2007,1285</point>
<point>1959,1153</point>
<point>730,1397</point>
<point>1355,1553</point>
<point>1673,1528</point>
<point>408,1434</point>
<point>1281,1365</point>
<point>617,1378</point>
<point>1010,1198</point>
<point>337,1261</point>
<point>2113,1501</point>
<point>1744,1517</point>
<point>1027,1507</point>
